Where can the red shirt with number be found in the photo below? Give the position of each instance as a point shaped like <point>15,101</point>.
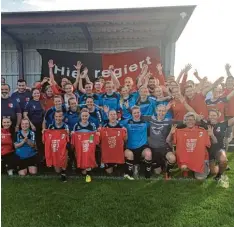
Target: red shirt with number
<point>112,145</point>
<point>55,147</point>
<point>85,147</point>
<point>191,147</point>
<point>6,142</point>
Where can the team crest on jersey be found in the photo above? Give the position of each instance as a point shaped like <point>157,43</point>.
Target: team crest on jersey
<point>27,99</point>
<point>112,141</point>
<point>218,129</point>
<point>85,145</point>
<point>10,105</point>
<point>200,134</point>
<point>191,145</point>
<point>18,100</point>
<point>63,136</point>
<point>34,107</point>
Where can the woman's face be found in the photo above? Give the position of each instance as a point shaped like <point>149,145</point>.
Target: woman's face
<point>49,92</point>
<point>144,92</point>
<point>6,123</point>
<point>112,116</point>
<point>161,111</point>
<point>84,117</point>
<point>230,83</point>
<point>36,95</point>
<point>68,89</point>
<point>58,117</point>
<point>136,114</point>
<point>89,103</point>
<point>190,121</point>
<point>217,92</point>
<point>189,92</point>
<point>124,91</point>
<point>128,83</point>
<point>98,86</point>
<point>57,101</point>
<point>176,93</point>
<point>25,125</point>
<point>108,88</point>
<point>63,82</point>
<point>213,117</point>
<point>73,104</point>
<point>89,88</point>
<point>158,92</point>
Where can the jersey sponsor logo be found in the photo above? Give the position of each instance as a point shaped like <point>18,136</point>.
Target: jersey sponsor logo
<point>55,145</point>
<point>85,145</point>
<point>191,145</point>
<point>18,100</point>
<point>27,99</point>
<point>10,105</point>
<point>34,107</point>
<point>112,141</point>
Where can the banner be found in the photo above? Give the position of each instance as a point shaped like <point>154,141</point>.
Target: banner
<point>126,64</point>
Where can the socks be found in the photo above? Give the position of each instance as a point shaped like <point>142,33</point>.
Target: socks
<point>148,165</point>
<point>169,166</point>
<point>128,168</point>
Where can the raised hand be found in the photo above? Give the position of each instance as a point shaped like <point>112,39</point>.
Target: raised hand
<point>106,109</point>
<point>159,67</point>
<point>45,79</point>
<point>210,130</point>
<point>51,63</point>
<point>187,68</point>
<point>84,73</point>
<point>173,129</point>
<point>227,67</point>
<point>195,73</point>
<point>78,65</point>
<point>144,69</point>
<point>111,67</point>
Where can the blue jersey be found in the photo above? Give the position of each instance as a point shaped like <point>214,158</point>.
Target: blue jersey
<point>56,127</point>
<point>112,101</point>
<point>96,117</point>
<point>148,107</point>
<point>22,98</point>
<point>25,151</point>
<point>9,108</point>
<point>35,111</point>
<point>90,127</point>
<point>137,134</point>
<point>96,98</point>
<point>71,118</point>
<point>49,115</point>
<point>126,112</point>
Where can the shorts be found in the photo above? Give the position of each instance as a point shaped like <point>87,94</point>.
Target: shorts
<point>206,172</point>
<point>138,153</point>
<point>214,154</point>
<point>228,132</point>
<point>159,156</point>
<point>9,161</point>
<point>25,163</point>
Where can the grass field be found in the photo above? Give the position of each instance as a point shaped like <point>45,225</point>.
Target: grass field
<point>37,202</point>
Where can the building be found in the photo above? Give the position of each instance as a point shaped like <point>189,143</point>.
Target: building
<point>106,31</point>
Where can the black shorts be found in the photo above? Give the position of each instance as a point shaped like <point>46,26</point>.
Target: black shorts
<point>138,153</point>
<point>159,156</point>
<point>214,154</point>
<point>9,161</point>
<point>25,163</point>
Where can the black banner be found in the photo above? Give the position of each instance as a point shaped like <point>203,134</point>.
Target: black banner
<point>64,64</point>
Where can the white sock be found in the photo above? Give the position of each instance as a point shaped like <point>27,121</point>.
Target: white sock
<point>10,172</point>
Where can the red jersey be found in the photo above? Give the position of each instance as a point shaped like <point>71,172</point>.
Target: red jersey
<point>229,107</point>
<point>178,110</point>
<point>6,142</point>
<point>55,147</point>
<point>85,147</point>
<point>198,103</point>
<point>112,145</point>
<point>191,147</point>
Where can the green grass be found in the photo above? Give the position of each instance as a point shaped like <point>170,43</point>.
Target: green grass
<point>37,202</point>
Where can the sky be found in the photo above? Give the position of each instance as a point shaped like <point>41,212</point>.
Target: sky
<point>206,42</point>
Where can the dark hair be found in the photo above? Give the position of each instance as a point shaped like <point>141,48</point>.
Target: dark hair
<point>35,89</point>
<point>21,81</point>
<point>7,86</point>
<point>58,111</point>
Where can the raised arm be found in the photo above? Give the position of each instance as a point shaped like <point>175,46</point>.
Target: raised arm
<point>227,69</point>
<point>77,67</point>
<point>230,95</point>
<point>142,75</point>
<point>114,78</point>
<point>215,84</point>
<point>51,66</point>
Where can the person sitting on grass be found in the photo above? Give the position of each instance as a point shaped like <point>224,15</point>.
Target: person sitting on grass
<point>25,147</point>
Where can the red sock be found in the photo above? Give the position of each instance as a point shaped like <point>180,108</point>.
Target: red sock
<point>185,173</point>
